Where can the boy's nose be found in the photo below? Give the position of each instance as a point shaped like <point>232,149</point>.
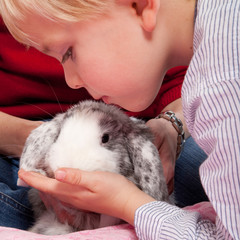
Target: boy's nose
<point>74,83</point>
<point>72,79</point>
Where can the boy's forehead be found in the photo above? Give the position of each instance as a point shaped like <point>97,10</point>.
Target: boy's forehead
<point>61,11</point>
<point>42,32</point>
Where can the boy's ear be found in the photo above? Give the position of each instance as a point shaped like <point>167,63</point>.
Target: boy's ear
<point>147,10</point>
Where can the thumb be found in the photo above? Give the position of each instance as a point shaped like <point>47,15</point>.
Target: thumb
<point>73,176</point>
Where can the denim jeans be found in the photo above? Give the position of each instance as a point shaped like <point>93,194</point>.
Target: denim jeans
<point>187,185</point>
<point>15,210</point>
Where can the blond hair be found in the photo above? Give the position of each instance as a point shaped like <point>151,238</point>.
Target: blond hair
<point>14,11</point>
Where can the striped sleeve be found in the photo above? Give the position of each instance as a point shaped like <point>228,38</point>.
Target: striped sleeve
<point>211,98</point>
<point>160,220</point>
<point>211,103</point>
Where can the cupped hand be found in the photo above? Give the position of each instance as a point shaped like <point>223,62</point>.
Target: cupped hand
<point>103,192</point>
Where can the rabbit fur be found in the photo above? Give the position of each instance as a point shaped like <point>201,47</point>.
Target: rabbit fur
<point>92,136</point>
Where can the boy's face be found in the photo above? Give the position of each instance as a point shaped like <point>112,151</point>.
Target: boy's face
<point>112,57</point>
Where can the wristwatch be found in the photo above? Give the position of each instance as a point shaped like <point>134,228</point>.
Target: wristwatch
<point>178,125</point>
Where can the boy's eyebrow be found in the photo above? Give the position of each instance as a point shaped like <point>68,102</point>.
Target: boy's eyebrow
<point>49,46</point>
<point>46,46</point>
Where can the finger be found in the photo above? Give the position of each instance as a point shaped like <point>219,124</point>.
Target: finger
<point>56,188</point>
<point>77,177</point>
<point>64,216</point>
<point>45,199</point>
<point>64,192</point>
<point>43,183</point>
<point>35,180</point>
<point>58,207</point>
<point>170,186</point>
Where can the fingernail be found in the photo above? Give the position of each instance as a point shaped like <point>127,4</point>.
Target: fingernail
<point>21,183</point>
<point>20,172</point>
<point>60,175</point>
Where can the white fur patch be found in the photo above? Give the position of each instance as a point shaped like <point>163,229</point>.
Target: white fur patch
<point>79,146</point>
<point>147,152</point>
<point>49,225</point>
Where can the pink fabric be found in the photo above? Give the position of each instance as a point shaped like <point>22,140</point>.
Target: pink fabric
<point>120,232</point>
<point>205,209</point>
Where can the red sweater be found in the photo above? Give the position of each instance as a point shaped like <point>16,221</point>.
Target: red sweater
<point>32,84</point>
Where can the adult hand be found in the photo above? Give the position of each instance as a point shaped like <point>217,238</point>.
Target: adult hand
<point>103,192</point>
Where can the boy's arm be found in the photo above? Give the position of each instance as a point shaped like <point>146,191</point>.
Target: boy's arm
<point>13,133</point>
<point>215,128</point>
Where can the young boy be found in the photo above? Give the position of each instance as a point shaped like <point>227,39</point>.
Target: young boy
<point>33,87</point>
<point>119,51</point>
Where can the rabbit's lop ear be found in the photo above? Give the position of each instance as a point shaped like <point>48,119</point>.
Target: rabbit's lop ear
<point>148,172</point>
<point>38,143</point>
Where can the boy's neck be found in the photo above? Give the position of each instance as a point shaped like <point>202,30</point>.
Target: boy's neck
<point>179,17</point>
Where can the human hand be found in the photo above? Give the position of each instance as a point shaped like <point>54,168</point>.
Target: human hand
<point>103,192</point>
<point>60,208</point>
<point>165,139</point>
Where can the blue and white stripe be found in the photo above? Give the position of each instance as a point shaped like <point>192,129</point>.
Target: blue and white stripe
<point>211,103</point>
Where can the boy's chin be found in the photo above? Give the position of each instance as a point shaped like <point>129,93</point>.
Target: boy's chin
<point>133,106</point>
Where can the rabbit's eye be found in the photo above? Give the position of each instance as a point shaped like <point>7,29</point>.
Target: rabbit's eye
<point>105,138</point>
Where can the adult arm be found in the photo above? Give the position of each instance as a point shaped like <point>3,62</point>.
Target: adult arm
<point>13,133</point>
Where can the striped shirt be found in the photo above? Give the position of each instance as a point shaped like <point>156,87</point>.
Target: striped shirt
<point>211,103</point>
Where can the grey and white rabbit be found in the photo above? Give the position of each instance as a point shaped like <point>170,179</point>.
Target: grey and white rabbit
<point>92,136</point>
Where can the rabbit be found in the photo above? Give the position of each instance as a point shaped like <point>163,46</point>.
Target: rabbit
<point>92,136</point>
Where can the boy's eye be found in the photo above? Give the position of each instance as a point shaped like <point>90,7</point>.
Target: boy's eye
<point>66,55</point>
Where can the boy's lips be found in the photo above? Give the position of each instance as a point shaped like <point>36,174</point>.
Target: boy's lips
<point>105,99</point>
